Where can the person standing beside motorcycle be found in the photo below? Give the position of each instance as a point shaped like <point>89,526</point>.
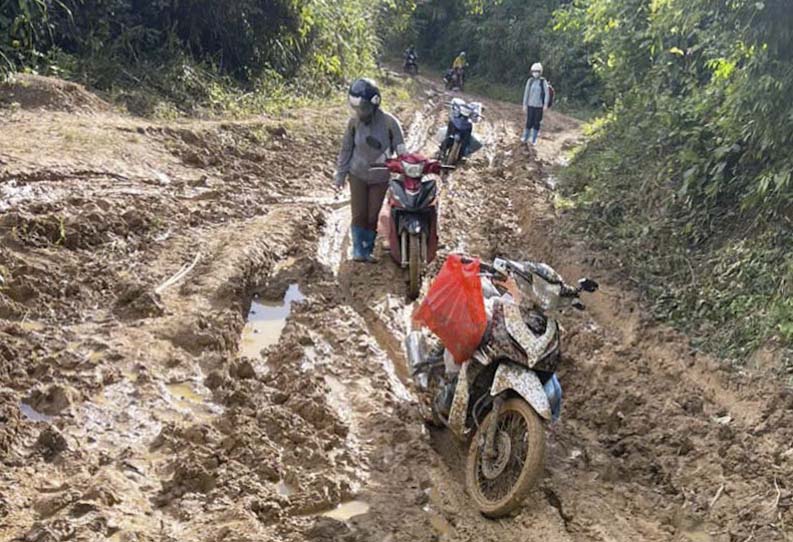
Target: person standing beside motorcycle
<point>372,135</point>
<point>536,99</point>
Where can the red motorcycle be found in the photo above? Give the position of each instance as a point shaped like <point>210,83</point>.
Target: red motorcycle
<point>413,214</point>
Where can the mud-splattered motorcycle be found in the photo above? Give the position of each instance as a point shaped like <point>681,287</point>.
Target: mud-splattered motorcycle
<point>454,79</point>
<point>413,217</point>
<point>502,396</point>
<point>456,139</point>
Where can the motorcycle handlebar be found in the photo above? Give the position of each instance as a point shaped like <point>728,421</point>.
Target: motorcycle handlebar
<point>483,265</point>
<point>380,165</point>
<point>584,285</point>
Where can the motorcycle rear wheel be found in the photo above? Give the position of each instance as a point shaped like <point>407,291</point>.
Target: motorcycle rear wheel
<point>520,442</point>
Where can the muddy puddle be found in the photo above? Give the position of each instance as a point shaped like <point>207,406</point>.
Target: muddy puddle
<point>187,398</point>
<point>347,510</point>
<point>334,245</point>
<point>32,414</point>
<point>285,489</point>
<point>266,322</point>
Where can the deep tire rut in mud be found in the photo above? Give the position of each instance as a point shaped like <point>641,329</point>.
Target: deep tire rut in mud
<point>128,412</point>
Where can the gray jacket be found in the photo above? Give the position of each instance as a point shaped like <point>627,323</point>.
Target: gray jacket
<point>532,96</point>
<point>365,144</point>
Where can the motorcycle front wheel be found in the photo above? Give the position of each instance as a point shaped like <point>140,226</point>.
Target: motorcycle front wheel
<point>454,153</point>
<point>414,266</point>
<point>499,485</point>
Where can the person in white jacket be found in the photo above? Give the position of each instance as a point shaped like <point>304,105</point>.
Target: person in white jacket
<point>536,98</point>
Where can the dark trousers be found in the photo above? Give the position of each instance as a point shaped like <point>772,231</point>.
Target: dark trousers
<point>366,200</point>
<point>534,118</point>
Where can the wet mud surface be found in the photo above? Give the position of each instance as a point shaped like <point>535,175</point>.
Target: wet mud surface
<point>187,352</point>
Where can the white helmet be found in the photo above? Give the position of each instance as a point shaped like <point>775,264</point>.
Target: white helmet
<point>536,67</point>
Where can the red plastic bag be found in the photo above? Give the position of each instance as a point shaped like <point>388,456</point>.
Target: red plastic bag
<point>454,308</point>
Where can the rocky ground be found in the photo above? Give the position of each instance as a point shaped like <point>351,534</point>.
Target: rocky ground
<point>136,403</point>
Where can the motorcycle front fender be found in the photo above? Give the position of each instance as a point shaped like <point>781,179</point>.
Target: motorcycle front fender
<point>410,223</point>
<point>459,411</point>
<point>524,382</point>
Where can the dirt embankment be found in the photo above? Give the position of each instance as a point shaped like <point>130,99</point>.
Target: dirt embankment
<point>131,254</point>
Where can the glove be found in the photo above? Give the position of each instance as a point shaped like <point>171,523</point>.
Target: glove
<point>339,180</point>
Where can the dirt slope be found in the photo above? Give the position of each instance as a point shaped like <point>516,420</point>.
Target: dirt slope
<point>130,253</point>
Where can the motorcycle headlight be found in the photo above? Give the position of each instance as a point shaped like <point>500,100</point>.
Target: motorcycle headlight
<point>546,293</point>
<point>414,171</point>
<point>543,292</point>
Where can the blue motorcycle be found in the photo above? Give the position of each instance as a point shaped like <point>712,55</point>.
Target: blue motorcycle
<point>457,139</point>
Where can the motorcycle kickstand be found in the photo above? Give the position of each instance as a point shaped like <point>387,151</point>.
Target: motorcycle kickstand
<point>489,451</point>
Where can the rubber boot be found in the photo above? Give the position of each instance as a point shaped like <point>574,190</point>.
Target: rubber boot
<point>536,135</point>
<point>358,236</point>
<point>525,137</point>
<point>367,246</point>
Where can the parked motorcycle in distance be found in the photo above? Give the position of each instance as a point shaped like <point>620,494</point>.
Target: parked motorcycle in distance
<point>454,79</point>
<point>506,389</point>
<point>413,218</point>
<point>457,140</point>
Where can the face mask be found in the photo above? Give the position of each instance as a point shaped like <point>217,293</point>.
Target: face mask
<point>361,115</point>
<point>361,110</point>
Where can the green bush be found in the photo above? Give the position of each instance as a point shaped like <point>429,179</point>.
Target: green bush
<point>687,180</point>
<point>502,39</point>
<point>188,52</point>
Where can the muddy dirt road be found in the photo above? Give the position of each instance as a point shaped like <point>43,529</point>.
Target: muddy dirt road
<point>187,353</point>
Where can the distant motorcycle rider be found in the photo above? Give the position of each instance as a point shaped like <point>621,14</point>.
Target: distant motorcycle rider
<point>536,99</point>
<point>372,135</point>
<point>411,63</point>
<point>458,66</point>
<point>410,54</point>
<point>460,62</point>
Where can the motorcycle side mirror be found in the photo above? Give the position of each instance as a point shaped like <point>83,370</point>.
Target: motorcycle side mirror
<point>588,285</point>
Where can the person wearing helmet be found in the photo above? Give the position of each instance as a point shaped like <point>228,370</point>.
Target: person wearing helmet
<point>411,60</point>
<point>536,98</point>
<point>372,135</point>
<point>460,62</point>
